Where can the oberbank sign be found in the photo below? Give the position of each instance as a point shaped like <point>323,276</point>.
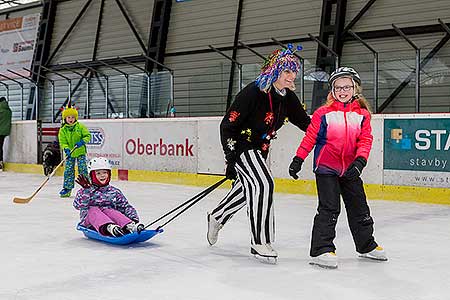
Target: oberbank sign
<point>421,148</point>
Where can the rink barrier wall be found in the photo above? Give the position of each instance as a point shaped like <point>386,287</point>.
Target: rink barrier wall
<point>289,186</point>
<point>188,151</point>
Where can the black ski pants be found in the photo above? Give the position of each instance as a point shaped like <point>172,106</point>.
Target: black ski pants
<point>330,188</point>
<point>2,140</point>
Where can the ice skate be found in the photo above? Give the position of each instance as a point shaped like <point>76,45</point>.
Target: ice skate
<point>114,230</point>
<point>213,230</point>
<point>264,253</point>
<point>376,254</point>
<point>65,193</point>
<point>326,260</point>
<point>133,227</point>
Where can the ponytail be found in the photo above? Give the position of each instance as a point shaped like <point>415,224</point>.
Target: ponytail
<point>361,99</point>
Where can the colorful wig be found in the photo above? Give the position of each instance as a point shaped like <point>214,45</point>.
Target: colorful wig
<point>278,61</point>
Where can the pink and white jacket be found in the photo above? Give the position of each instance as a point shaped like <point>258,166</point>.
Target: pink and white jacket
<point>340,133</point>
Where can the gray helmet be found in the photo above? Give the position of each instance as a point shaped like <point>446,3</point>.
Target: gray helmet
<point>344,72</point>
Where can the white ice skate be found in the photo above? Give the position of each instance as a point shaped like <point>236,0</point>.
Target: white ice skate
<point>326,260</point>
<point>133,227</point>
<point>114,230</point>
<point>264,253</point>
<point>376,254</point>
<point>213,229</point>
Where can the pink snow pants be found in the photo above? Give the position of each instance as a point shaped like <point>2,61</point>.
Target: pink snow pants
<point>99,216</point>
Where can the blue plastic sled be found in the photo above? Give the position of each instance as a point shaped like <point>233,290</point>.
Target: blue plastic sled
<point>130,238</point>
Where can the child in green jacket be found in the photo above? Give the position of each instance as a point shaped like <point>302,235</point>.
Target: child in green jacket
<point>73,134</point>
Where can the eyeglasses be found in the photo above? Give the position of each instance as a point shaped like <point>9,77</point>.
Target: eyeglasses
<point>344,88</point>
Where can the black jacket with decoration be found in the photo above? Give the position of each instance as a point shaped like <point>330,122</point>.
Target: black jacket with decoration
<point>251,121</point>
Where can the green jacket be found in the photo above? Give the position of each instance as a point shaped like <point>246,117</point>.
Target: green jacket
<point>5,118</point>
<point>69,135</point>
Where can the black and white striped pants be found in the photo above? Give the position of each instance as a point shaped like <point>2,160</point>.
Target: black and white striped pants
<point>253,187</point>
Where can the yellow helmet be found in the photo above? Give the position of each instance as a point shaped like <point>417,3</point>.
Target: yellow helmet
<point>69,111</point>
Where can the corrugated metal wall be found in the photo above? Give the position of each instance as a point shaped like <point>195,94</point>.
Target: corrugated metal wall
<point>397,57</point>
<point>115,39</point>
<point>201,83</point>
<point>396,62</point>
<point>403,13</point>
<point>282,19</point>
<point>80,43</point>
<point>196,24</point>
<point>201,79</point>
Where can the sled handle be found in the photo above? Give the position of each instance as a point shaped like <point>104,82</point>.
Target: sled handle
<point>189,204</point>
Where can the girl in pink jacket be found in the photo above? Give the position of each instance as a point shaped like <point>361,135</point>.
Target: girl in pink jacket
<point>341,135</point>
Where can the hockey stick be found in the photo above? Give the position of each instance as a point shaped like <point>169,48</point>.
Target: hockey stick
<point>191,202</point>
<point>28,199</point>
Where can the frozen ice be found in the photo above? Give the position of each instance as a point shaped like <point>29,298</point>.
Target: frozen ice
<point>43,256</point>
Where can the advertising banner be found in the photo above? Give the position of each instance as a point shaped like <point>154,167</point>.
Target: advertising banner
<point>418,150</point>
<point>106,139</point>
<point>169,146</point>
<point>165,145</point>
<point>17,42</point>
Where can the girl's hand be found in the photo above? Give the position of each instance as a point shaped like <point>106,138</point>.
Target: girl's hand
<point>83,181</point>
<point>295,167</point>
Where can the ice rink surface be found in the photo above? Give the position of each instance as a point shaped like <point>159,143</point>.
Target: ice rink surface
<point>43,256</point>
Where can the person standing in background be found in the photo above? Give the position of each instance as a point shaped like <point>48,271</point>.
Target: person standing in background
<point>5,125</point>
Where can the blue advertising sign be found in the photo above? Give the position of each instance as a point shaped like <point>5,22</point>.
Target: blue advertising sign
<point>417,144</point>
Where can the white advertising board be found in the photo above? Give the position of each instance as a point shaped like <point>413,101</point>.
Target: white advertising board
<point>106,140</point>
<point>162,145</point>
<point>211,158</point>
<point>408,150</point>
<point>135,144</point>
<point>283,149</point>
<point>21,145</point>
<point>17,43</point>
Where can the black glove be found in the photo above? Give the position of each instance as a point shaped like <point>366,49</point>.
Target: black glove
<point>83,181</point>
<point>230,171</point>
<point>355,168</point>
<point>295,167</point>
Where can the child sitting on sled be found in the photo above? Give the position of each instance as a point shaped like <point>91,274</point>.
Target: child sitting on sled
<point>103,206</point>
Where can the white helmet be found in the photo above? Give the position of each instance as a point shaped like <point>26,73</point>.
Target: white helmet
<point>99,163</point>
<point>344,72</point>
